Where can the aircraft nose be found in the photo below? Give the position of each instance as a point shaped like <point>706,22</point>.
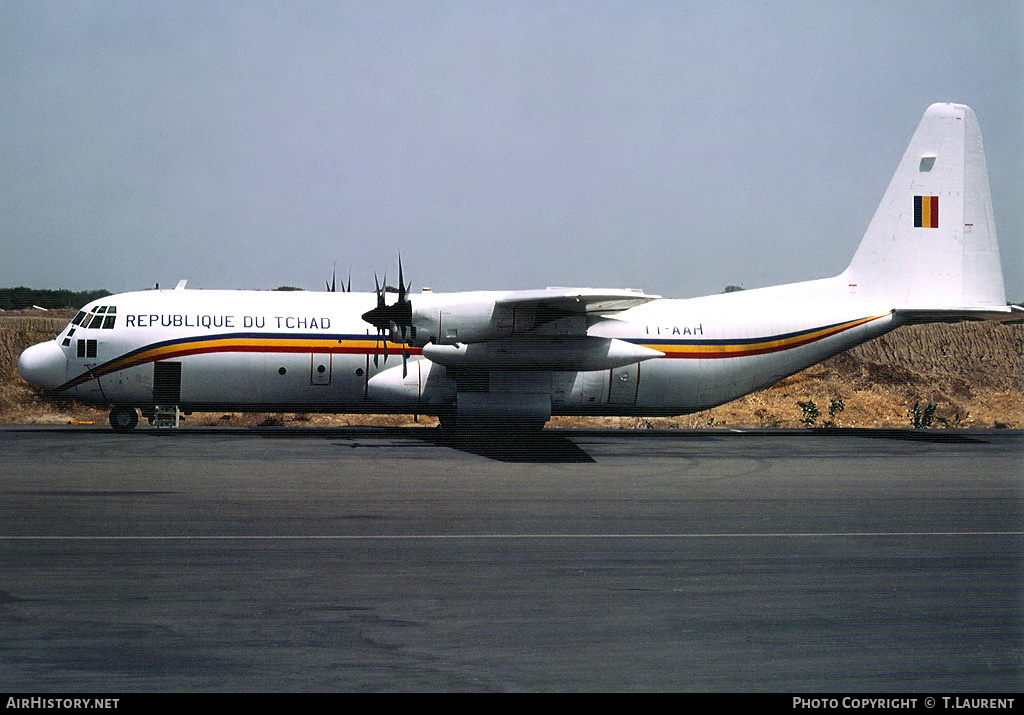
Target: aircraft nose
<point>43,365</point>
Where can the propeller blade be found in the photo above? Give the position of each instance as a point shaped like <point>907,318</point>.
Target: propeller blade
<point>401,282</point>
<point>394,321</point>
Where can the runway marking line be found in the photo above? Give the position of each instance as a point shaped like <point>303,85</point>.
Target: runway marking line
<point>453,537</point>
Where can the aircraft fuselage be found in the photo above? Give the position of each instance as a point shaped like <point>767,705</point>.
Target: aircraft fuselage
<point>297,351</point>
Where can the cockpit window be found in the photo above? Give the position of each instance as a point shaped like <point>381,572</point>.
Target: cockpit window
<point>103,316</point>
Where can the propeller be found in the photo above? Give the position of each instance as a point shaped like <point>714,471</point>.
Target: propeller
<point>394,318</point>
<point>332,285</point>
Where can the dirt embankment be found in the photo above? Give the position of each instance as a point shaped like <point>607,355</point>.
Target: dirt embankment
<point>963,375</point>
<point>940,376</point>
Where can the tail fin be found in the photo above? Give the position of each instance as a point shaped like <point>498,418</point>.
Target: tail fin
<point>931,247</point>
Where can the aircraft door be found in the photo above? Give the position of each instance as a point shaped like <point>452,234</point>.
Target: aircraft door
<point>320,369</point>
<point>83,360</point>
<point>166,383</point>
<point>623,383</point>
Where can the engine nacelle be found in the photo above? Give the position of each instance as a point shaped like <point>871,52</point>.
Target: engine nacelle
<point>424,384</point>
<point>562,353</point>
<point>450,319</point>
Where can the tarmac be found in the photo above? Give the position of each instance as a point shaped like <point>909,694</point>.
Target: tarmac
<point>318,560</point>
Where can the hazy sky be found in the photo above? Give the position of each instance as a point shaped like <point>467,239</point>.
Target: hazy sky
<point>675,147</point>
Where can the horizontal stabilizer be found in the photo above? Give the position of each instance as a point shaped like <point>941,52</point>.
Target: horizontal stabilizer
<point>1009,314</point>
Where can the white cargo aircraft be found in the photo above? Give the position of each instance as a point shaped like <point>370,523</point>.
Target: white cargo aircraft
<point>512,359</point>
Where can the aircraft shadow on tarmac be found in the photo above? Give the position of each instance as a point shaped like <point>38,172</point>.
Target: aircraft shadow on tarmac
<point>539,447</point>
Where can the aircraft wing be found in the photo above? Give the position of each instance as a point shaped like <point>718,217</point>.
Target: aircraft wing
<point>576,301</point>
<point>543,330</point>
<point>461,318</point>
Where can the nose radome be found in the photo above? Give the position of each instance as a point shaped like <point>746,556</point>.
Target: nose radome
<point>43,365</point>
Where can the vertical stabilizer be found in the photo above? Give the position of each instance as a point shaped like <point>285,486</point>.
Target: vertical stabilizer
<point>932,242</point>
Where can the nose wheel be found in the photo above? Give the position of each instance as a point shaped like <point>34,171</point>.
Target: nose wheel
<point>123,419</point>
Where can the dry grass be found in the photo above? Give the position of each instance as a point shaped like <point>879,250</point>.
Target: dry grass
<point>972,374</point>
<point>18,401</point>
<point>19,330</point>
